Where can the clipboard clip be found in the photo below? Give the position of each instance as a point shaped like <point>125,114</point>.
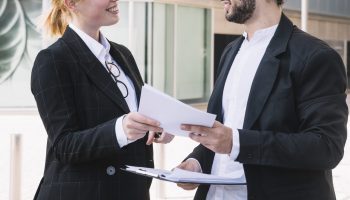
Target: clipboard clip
<point>142,171</point>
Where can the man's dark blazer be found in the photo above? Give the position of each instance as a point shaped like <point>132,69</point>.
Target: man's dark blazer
<point>294,129</point>
<point>79,103</point>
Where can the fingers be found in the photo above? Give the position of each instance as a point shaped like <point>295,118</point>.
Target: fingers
<point>183,165</point>
<point>201,130</point>
<point>200,138</point>
<point>136,125</point>
<point>201,134</point>
<point>190,166</point>
<point>144,120</point>
<point>163,137</point>
<point>142,127</point>
<point>198,130</point>
<point>187,186</point>
<point>154,137</point>
<point>217,124</point>
<point>150,139</point>
<point>140,122</point>
<point>218,138</point>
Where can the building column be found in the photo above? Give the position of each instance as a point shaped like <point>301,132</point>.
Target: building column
<point>304,14</point>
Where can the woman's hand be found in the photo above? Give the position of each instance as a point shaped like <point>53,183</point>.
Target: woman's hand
<point>159,137</point>
<point>136,126</point>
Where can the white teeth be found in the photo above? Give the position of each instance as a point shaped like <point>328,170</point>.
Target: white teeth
<point>113,9</point>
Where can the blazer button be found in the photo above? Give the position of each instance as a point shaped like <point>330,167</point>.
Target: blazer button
<point>110,170</point>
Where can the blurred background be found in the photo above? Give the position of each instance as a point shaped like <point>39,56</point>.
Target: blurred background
<point>177,45</point>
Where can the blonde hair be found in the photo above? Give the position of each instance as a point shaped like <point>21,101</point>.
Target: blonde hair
<point>58,18</point>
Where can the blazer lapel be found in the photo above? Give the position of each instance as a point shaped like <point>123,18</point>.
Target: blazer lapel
<point>94,69</point>
<point>215,102</point>
<point>267,72</point>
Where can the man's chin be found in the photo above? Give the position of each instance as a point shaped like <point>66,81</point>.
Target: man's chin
<point>230,18</point>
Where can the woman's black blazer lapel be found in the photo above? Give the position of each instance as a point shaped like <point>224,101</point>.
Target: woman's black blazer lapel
<point>94,69</point>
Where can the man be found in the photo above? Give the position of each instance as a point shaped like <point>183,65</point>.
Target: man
<point>280,94</point>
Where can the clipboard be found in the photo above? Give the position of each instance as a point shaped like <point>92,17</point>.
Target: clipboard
<point>183,176</point>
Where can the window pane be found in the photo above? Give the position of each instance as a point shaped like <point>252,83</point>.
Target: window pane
<point>333,8</point>
<point>163,48</point>
<point>138,40</point>
<point>192,53</point>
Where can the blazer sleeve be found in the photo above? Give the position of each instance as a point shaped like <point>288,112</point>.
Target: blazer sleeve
<point>204,156</point>
<point>53,90</point>
<point>322,114</point>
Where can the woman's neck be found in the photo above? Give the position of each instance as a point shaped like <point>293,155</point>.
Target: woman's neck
<point>92,31</point>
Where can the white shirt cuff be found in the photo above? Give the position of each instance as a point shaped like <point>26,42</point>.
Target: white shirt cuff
<point>199,165</point>
<point>235,144</point>
<point>119,131</point>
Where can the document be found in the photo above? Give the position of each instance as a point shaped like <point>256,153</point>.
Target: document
<point>170,112</point>
<point>183,176</point>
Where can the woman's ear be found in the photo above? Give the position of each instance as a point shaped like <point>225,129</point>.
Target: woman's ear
<point>70,4</point>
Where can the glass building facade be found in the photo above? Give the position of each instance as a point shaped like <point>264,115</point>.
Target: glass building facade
<point>336,8</point>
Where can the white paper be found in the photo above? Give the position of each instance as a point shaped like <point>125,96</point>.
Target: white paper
<point>183,176</point>
<point>170,112</point>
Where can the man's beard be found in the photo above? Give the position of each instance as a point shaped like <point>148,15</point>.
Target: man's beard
<point>242,13</point>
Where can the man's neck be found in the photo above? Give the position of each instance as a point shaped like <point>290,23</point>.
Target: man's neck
<point>264,16</point>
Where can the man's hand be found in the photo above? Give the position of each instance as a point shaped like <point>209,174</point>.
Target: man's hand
<point>189,165</point>
<point>136,126</point>
<point>163,138</point>
<point>218,138</point>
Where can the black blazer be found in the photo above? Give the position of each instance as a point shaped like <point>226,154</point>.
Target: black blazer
<point>79,103</point>
<point>294,130</point>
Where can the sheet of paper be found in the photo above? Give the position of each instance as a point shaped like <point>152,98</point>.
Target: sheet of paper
<point>183,176</point>
<point>170,112</point>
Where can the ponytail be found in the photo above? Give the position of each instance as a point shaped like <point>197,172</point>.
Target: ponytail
<point>58,18</point>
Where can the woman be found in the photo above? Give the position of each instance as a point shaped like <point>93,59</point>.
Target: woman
<point>87,92</point>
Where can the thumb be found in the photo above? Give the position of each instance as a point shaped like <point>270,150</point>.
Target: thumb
<point>183,165</point>
<point>216,124</point>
